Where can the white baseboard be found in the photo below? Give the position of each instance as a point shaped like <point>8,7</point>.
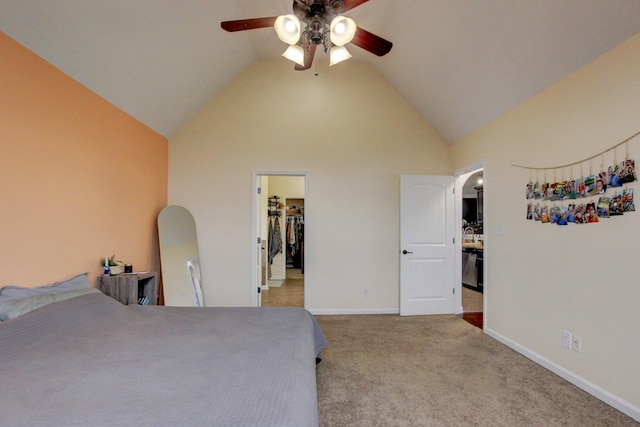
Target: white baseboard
<point>334,312</point>
<point>597,392</point>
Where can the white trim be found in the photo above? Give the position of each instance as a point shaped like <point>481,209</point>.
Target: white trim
<point>254,237</point>
<point>254,231</point>
<point>594,390</point>
<point>334,312</point>
<point>461,175</point>
<point>473,167</point>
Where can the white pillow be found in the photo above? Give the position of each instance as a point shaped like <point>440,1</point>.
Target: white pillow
<point>81,281</point>
<point>13,308</point>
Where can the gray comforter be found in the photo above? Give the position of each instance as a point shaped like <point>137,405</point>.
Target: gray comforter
<point>90,361</point>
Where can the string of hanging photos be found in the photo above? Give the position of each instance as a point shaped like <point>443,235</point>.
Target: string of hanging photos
<point>589,196</point>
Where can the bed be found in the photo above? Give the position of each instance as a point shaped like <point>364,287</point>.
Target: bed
<point>84,359</point>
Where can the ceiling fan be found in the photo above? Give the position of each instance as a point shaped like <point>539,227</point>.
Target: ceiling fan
<point>316,23</point>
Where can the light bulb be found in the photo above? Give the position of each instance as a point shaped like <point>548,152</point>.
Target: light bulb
<point>338,54</point>
<point>343,30</point>
<point>295,53</point>
<point>288,28</point>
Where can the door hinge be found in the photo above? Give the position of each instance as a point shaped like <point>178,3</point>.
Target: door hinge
<point>259,190</point>
<point>454,240</point>
<point>259,240</point>
<point>259,289</point>
<point>454,291</point>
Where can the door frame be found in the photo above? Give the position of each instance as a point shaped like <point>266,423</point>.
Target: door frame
<point>255,215</point>
<point>461,176</point>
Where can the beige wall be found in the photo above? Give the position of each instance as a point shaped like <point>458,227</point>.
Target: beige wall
<point>543,279</point>
<point>79,179</point>
<point>354,136</point>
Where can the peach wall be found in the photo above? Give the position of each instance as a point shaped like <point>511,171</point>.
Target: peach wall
<point>79,178</point>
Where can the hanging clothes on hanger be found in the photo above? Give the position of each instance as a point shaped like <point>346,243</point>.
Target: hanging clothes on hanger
<point>291,233</point>
<point>272,247</point>
<point>275,238</point>
<point>295,239</point>
<point>277,234</point>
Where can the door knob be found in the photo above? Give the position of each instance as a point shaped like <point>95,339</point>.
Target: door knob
<point>404,252</point>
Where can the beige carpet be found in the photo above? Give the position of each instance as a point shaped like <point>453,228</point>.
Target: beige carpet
<point>383,370</point>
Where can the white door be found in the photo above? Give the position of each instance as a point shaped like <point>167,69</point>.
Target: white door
<point>258,225</point>
<point>427,249</point>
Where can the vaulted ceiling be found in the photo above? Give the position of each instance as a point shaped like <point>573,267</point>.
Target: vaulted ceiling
<point>459,63</point>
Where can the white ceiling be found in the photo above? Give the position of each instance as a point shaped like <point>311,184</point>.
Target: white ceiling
<point>459,63</point>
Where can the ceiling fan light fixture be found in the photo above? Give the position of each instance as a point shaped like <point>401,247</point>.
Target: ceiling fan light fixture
<point>343,30</point>
<point>316,24</point>
<point>288,28</point>
<point>295,53</point>
<point>338,54</point>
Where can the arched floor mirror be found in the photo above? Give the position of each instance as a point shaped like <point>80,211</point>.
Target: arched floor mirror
<point>179,258</point>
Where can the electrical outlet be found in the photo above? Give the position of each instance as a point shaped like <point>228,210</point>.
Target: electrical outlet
<point>566,339</point>
<point>576,344</point>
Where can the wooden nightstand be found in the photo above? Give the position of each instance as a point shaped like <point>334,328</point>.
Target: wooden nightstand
<point>128,288</point>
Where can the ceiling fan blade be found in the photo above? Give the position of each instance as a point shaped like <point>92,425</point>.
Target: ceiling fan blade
<point>308,58</point>
<point>350,4</point>
<point>369,41</point>
<point>248,24</point>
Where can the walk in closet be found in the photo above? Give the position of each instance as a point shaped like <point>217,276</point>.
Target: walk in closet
<point>283,237</point>
<point>295,234</point>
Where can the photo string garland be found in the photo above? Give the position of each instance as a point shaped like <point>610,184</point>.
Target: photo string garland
<point>607,193</point>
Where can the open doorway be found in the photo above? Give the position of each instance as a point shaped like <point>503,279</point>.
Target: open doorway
<point>472,257</point>
<point>281,230</point>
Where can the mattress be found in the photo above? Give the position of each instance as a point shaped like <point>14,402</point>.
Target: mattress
<point>91,361</point>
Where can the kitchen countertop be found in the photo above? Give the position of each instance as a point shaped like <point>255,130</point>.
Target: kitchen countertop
<point>477,245</point>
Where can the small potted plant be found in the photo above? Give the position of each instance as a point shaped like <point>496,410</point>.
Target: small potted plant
<point>115,267</point>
